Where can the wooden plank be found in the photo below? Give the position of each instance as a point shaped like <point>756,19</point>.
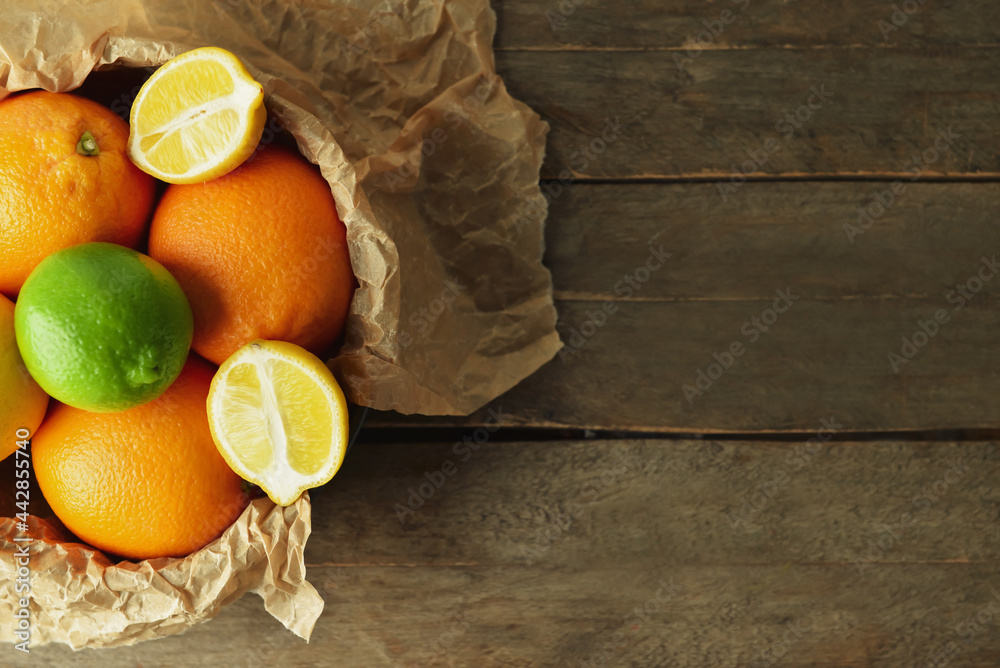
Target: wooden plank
<point>451,587</point>
<point>882,109</point>
<point>811,235</point>
<point>520,617</point>
<point>829,352</point>
<point>819,358</point>
<point>648,24</point>
<point>655,503</point>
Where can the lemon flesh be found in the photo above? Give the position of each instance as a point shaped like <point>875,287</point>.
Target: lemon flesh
<point>279,418</point>
<point>196,118</point>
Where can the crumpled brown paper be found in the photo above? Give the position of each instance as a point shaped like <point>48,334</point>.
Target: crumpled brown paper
<point>78,597</point>
<point>433,165</point>
<point>434,168</point>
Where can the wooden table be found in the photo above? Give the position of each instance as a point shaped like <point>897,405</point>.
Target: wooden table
<point>737,460</point>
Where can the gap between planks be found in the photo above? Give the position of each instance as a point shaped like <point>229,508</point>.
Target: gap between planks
<point>715,47</point>
<point>701,564</point>
<point>572,296</point>
<point>787,177</point>
<point>434,430</point>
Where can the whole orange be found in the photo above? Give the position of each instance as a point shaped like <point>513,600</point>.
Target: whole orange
<point>59,186</point>
<point>260,254</point>
<point>142,483</point>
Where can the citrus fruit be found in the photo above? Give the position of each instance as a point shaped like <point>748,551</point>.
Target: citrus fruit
<point>65,179</point>
<point>102,327</point>
<point>22,401</point>
<point>196,118</point>
<point>143,483</point>
<point>260,253</point>
<point>279,418</point>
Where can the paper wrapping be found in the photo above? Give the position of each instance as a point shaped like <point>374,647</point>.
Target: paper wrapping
<point>434,168</point>
<point>77,596</point>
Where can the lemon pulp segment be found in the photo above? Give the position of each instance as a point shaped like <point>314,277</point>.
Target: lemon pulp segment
<point>196,118</point>
<point>278,418</point>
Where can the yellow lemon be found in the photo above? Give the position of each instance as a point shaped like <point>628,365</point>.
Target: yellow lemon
<point>278,418</point>
<point>22,401</point>
<point>199,116</point>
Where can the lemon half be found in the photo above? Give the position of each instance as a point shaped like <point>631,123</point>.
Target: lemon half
<point>278,418</point>
<point>198,117</point>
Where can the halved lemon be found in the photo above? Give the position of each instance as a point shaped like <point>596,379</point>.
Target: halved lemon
<point>198,117</point>
<point>278,418</point>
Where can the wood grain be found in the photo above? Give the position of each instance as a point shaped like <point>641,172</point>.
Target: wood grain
<point>820,357</point>
<point>789,547</point>
<point>452,586</point>
<point>885,107</point>
<point>828,352</point>
<point>648,24</point>
<point>811,235</point>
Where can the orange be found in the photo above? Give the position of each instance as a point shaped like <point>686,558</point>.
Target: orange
<point>143,483</point>
<point>260,254</point>
<point>65,179</point>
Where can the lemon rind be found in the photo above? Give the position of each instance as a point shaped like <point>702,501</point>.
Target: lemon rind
<point>248,98</point>
<point>284,485</point>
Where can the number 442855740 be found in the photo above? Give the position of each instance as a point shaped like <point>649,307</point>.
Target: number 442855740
<point>23,464</point>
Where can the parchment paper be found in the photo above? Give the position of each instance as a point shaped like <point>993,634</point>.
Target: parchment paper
<point>79,597</point>
<point>434,167</point>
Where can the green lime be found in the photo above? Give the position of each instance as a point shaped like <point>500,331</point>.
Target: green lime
<point>102,327</point>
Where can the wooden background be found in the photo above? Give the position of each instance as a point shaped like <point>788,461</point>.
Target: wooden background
<point>613,522</point>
